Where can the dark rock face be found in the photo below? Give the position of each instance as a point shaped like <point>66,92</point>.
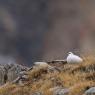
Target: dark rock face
<point>9,72</point>
<point>28,24</point>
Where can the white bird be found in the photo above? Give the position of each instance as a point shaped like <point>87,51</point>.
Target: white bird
<point>72,58</point>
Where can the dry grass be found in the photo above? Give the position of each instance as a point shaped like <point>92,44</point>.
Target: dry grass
<point>78,78</point>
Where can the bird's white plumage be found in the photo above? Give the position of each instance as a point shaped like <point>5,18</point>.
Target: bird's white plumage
<point>72,58</point>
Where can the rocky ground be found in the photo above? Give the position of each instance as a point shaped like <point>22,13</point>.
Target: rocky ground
<point>54,78</point>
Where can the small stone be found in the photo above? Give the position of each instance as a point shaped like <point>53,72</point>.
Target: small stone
<point>25,77</point>
<point>37,93</point>
<point>22,73</point>
<point>61,92</point>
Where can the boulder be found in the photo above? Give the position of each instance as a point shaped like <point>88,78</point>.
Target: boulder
<point>90,91</point>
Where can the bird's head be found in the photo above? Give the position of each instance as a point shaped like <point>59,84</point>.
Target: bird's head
<point>70,53</point>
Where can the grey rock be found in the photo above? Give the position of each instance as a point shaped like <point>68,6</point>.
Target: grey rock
<point>24,77</point>
<point>11,71</point>
<point>7,67</point>
<point>22,73</point>
<point>15,71</point>
<point>61,92</point>
<point>16,80</point>
<point>2,73</point>
<point>37,93</point>
<point>90,91</point>
<point>20,80</point>
<point>30,68</point>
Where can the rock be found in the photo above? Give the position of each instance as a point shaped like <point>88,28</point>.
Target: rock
<point>2,73</point>
<point>22,73</point>
<point>54,89</point>
<point>58,61</point>
<point>16,80</point>
<point>41,64</point>
<point>30,68</point>
<point>20,79</point>
<point>11,71</point>
<point>61,91</point>
<point>15,71</point>
<point>24,77</point>
<point>90,91</point>
<point>53,69</point>
<point>37,93</point>
<point>7,66</point>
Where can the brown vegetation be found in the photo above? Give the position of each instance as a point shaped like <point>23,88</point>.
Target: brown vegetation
<point>77,77</point>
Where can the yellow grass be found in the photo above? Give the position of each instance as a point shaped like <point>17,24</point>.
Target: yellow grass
<point>75,77</point>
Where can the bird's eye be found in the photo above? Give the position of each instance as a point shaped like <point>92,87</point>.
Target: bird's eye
<point>69,53</point>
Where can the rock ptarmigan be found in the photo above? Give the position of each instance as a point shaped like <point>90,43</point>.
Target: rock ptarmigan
<point>72,58</point>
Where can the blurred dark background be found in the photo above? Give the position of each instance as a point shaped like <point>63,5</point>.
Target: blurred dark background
<point>35,30</point>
